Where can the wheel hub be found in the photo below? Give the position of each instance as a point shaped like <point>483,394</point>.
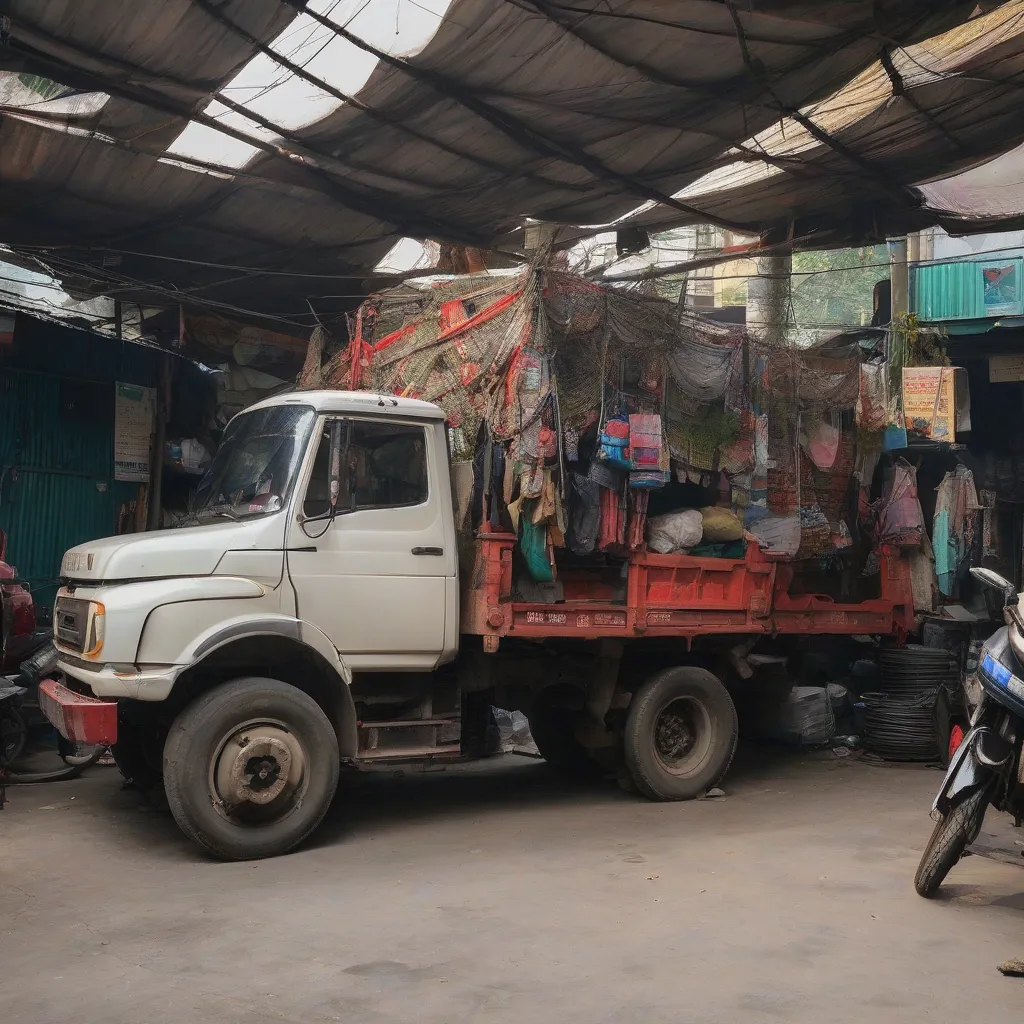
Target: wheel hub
<point>260,769</point>
<point>673,736</point>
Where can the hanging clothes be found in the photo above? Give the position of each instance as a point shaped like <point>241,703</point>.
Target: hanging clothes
<point>900,520</point>
<point>956,504</point>
<point>613,519</point>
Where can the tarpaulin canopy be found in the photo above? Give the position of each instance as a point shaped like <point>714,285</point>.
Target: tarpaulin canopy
<point>171,169</point>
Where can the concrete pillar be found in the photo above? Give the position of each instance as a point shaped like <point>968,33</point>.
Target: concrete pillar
<point>768,299</point>
<point>899,276</point>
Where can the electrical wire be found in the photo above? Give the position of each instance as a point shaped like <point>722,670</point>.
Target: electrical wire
<point>256,271</point>
<point>739,257</point>
<point>901,728</point>
<point>103,275</point>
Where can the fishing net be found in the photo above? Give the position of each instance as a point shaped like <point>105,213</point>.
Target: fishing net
<point>538,357</point>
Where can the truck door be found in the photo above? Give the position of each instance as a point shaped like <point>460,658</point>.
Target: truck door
<point>373,578</point>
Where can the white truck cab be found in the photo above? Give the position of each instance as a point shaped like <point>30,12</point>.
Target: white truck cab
<point>321,543</point>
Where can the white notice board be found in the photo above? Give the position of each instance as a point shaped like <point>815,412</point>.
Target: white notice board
<point>1005,368</point>
<point>134,408</point>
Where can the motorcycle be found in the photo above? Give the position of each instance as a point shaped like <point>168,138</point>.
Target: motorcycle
<point>27,656</point>
<point>986,767</point>
<point>14,733</point>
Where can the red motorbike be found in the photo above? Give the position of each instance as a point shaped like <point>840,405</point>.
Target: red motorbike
<point>27,655</point>
<point>20,635</point>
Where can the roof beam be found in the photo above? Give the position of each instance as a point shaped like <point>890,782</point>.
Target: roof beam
<point>308,166</point>
<point>548,10</point>
<point>105,70</point>
<point>511,126</point>
<point>901,192</point>
<point>300,72</point>
<point>899,89</point>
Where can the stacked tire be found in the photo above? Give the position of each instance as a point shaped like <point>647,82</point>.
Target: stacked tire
<point>902,721</point>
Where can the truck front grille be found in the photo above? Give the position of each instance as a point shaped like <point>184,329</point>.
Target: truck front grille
<point>70,622</point>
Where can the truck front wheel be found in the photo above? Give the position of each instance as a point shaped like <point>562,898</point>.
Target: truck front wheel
<point>681,734</point>
<point>250,768</point>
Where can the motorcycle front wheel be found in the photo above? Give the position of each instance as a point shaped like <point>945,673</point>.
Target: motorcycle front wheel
<point>953,833</point>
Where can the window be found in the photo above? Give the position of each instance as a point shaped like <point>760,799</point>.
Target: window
<point>383,465</point>
<point>258,459</point>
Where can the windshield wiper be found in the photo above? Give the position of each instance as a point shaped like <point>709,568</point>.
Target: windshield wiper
<point>219,510</point>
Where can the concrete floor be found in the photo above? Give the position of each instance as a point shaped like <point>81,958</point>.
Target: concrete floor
<point>496,893</point>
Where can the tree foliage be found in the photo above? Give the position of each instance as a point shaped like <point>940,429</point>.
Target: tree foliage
<point>836,286</point>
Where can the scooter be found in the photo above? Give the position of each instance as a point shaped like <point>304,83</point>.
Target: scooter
<point>986,767</point>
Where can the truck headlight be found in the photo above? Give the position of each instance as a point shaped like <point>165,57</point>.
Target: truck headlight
<point>94,630</point>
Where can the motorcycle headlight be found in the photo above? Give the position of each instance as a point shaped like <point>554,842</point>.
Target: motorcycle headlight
<point>1002,676</point>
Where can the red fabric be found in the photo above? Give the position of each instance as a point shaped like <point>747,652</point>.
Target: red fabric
<point>452,315</point>
<point>637,518</point>
<point>488,313</point>
<point>390,339</point>
<point>612,533</point>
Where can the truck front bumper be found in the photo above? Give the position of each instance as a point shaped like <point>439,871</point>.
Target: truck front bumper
<point>109,681</point>
<point>76,717</point>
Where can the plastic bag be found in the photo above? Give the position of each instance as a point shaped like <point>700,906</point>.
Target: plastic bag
<point>513,731</point>
<point>721,524</point>
<point>675,531</point>
<point>809,714</point>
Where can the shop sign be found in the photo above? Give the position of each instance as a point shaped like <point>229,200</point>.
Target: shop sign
<point>133,431</point>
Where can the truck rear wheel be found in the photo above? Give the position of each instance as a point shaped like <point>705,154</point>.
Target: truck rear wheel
<point>681,734</point>
<point>250,768</point>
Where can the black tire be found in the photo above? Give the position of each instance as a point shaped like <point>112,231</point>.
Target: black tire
<point>551,728</point>
<point>13,735</point>
<point>285,783</point>
<point>61,774</point>
<point>953,833</point>
<point>681,734</point>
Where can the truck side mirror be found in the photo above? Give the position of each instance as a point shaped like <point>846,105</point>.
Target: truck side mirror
<point>992,579</point>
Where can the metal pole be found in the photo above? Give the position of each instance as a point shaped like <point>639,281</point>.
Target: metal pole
<point>156,462</point>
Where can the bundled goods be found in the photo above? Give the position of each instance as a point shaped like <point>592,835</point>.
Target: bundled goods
<point>600,399</point>
<point>675,532</point>
<point>720,525</point>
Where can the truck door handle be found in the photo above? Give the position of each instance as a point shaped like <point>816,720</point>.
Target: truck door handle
<point>428,551</point>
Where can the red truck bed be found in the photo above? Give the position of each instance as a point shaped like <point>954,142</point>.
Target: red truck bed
<point>676,596</point>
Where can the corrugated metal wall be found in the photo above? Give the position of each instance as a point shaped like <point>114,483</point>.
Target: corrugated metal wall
<point>953,291</point>
<point>57,443</point>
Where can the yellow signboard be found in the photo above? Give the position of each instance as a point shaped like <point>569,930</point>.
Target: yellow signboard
<point>929,401</point>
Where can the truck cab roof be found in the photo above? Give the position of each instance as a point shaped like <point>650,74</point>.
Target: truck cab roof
<point>326,401</point>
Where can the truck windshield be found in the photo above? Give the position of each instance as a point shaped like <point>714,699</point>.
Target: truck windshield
<point>256,464</point>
